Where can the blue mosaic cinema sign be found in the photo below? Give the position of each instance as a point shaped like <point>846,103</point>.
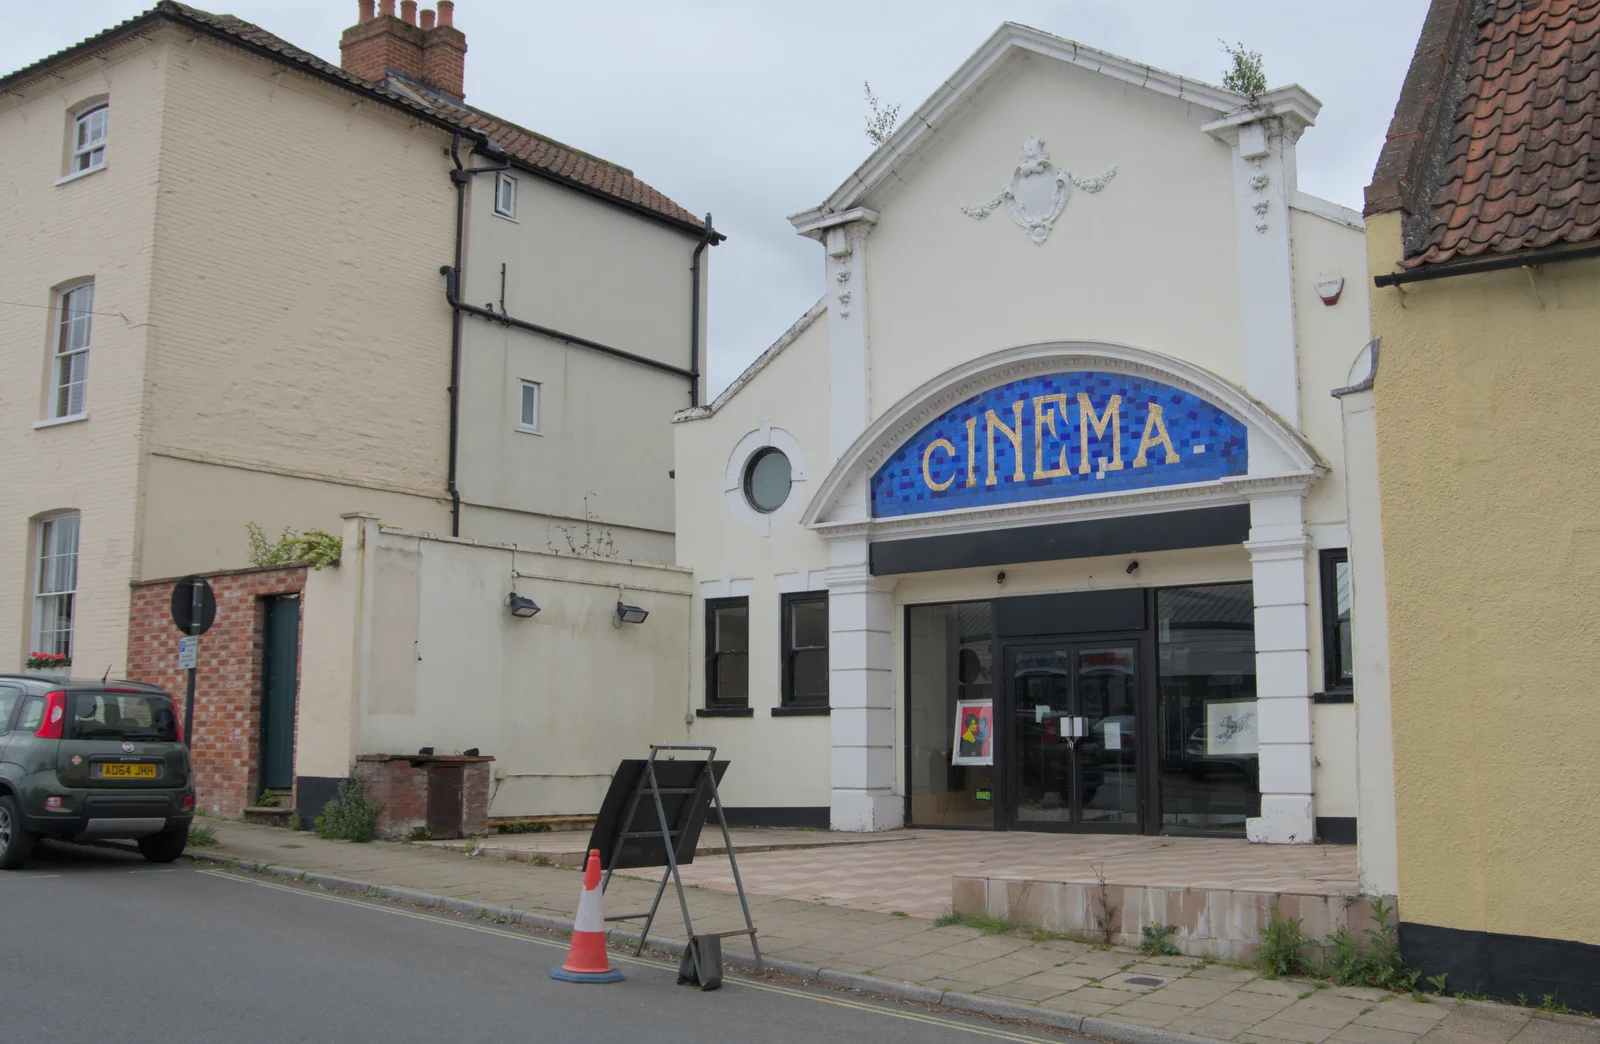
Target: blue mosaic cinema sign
<point>1060,435</point>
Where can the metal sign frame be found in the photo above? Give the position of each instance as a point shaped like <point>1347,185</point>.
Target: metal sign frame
<point>709,952</point>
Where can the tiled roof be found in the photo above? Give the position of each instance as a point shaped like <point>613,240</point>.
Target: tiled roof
<point>1493,148</point>
<point>545,155</point>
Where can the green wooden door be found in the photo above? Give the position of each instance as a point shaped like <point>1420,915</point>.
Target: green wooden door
<point>279,683</point>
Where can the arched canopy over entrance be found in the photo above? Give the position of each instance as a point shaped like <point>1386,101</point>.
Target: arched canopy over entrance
<point>1056,432</point>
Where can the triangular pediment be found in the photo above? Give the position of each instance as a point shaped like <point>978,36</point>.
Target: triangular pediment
<point>897,160</point>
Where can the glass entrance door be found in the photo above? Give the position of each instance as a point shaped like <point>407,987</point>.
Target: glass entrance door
<point>1070,735</point>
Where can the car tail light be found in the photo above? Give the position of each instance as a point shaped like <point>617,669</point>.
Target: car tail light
<point>177,726</point>
<point>55,713</point>
<point>53,804</point>
<point>188,801</point>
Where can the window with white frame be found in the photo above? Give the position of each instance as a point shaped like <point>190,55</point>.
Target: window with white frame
<point>528,418</point>
<point>70,362</point>
<point>56,587</point>
<point>505,195</point>
<point>89,140</point>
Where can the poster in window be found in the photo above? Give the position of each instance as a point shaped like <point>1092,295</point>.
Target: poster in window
<point>974,743</point>
<point>1231,728</point>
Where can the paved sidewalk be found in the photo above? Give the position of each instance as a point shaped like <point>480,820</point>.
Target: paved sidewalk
<point>1177,994</point>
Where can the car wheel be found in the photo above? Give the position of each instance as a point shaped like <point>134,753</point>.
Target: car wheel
<point>165,846</point>
<point>16,840</point>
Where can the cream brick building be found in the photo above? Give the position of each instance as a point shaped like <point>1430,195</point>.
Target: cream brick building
<point>229,272</point>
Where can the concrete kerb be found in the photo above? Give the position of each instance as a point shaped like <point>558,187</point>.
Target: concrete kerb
<point>993,1007</point>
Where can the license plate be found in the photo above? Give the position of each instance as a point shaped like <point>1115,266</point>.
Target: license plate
<point>122,770</point>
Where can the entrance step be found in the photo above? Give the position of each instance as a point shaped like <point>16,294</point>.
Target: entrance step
<point>1210,922</point>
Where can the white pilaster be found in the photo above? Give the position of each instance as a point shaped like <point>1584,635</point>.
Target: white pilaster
<point>861,693</point>
<point>849,394</point>
<point>1377,857</point>
<point>1279,551</point>
<point>1263,141</point>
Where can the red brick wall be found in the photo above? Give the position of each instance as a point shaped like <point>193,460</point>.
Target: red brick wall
<point>400,788</point>
<point>227,703</point>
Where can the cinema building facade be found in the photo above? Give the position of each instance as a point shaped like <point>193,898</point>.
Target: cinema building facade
<point>1037,520</point>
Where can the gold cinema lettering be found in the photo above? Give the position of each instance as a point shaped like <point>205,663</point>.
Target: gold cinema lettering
<point>1013,435</point>
<point>927,457</point>
<point>1044,417</point>
<point>1154,423</point>
<point>1093,426</point>
<point>1087,419</point>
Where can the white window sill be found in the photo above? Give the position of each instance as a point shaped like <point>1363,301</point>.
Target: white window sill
<point>53,421</point>
<point>507,217</point>
<point>529,431</point>
<point>74,176</point>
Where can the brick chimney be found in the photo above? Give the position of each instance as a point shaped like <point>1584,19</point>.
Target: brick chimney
<point>444,53</point>
<point>434,53</point>
<point>380,42</point>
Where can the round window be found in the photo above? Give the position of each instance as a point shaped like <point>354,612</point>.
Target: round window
<point>767,479</point>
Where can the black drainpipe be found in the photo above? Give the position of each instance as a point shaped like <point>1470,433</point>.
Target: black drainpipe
<point>461,176</point>
<point>708,238</point>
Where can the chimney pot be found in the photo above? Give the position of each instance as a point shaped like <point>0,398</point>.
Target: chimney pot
<point>408,11</point>
<point>386,7</point>
<point>427,19</point>
<point>366,9</point>
<point>447,10</point>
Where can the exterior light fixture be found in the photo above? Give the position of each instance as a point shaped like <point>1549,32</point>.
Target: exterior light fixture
<point>630,613</point>
<point>521,607</point>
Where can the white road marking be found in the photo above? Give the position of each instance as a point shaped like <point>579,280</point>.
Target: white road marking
<point>169,870</point>
<point>807,995</point>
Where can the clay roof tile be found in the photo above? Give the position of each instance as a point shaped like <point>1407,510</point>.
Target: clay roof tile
<point>1516,164</point>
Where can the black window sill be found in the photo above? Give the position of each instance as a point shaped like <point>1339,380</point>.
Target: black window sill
<point>724,712</point>
<point>1336,696</point>
<point>801,712</point>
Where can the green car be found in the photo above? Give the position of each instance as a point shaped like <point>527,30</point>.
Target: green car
<point>91,760</point>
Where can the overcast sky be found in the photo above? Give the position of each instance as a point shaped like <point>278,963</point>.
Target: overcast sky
<point>753,109</point>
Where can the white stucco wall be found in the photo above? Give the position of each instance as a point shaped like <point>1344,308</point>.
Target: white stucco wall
<point>1148,261</point>
<point>603,455</point>
<point>1151,261</point>
<point>557,699</point>
<point>776,761</point>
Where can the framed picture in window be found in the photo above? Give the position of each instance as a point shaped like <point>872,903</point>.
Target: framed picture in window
<point>1231,728</point>
<point>974,740</point>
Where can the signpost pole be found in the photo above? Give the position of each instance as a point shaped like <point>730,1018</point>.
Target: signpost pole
<point>194,631</point>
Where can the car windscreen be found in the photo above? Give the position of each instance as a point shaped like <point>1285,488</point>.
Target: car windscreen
<point>120,715</point>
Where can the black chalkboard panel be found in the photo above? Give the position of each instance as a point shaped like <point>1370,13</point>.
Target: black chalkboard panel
<point>685,796</point>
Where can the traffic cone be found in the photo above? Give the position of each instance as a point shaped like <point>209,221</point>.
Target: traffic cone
<point>586,959</point>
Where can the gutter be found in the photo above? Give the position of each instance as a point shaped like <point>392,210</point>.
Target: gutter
<point>1545,256</point>
<point>460,177</point>
<point>709,238</point>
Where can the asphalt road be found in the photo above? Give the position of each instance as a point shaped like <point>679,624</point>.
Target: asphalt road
<point>96,945</point>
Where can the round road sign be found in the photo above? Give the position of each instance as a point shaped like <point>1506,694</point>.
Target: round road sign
<point>192,614</point>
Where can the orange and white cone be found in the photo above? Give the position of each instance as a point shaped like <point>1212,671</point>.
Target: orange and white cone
<point>586,959</point>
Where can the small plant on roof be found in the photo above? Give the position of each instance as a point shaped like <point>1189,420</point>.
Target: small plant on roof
<point>881,123</point>
<point>1245,76</point>
<point>314,546</point>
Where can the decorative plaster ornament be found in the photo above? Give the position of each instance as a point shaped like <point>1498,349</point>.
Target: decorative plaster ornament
<point>1038,192</point>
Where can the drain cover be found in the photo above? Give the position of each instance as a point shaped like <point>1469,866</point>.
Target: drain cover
<point>291,846</point>
<point>1144,980</point>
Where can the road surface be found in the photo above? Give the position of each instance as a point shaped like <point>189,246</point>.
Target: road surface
<point>100,946</point>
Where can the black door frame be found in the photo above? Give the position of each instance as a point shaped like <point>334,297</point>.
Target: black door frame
<point>1007,779</point>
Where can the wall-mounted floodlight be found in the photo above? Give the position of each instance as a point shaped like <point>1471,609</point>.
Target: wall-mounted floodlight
<point>631,613</point>
<point>521,607</point>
